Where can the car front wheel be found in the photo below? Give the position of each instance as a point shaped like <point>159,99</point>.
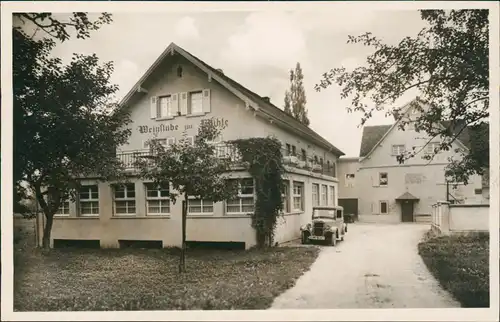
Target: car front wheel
<point>304,238</point>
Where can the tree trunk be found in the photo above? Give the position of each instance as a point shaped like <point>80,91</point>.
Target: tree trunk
<point>182,263</point>
<point>47,230</point>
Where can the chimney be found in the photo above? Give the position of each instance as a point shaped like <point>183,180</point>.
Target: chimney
<point>267,99</point>
<point>220,71</point>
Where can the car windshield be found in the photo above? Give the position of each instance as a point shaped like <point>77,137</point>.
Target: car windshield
<point>324,213</point>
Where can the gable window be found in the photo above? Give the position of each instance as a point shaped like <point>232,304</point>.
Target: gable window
<point>383,207</point>
<point>298,196</point>
<point>324,195</point>
<point>157,199</point>
<point>195,103</point>
<point>244,203</point>
<point>383,179</point>
<point>349,180</point>
<point>124,199</point>
<point>200,207</point>
<point>63,209</point>
<point>478,191</point>
<point>398,149</point>
<point>165,106</point>
<point>89,200</point>
<point>285,197</point>
<point>431,147</point>
<point>315,194</point>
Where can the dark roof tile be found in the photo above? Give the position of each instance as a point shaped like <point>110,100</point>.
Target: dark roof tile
<point>371,136</point>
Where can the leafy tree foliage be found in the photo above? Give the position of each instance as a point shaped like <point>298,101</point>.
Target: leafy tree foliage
<point>191,169</point>
<point>63,125</point>
<point>448,63</point>
<point>295,98</point>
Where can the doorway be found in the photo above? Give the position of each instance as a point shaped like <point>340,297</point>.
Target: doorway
<point>407,211</point>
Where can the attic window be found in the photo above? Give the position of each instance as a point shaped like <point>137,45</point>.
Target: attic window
<point>179,71</point>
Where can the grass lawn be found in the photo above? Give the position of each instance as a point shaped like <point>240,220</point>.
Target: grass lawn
<point>135,279</point>
<point>461,265</point>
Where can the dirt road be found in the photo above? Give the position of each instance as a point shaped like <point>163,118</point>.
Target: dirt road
<point>377,266</point>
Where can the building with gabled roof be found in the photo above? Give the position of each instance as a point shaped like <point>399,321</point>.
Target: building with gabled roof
<point>176,94</point>
<point>377,188</point>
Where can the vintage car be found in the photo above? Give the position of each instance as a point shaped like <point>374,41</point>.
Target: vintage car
<point>327,225</point>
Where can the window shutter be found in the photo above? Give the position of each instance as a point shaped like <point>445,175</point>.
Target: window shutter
<point>175,104</point>
<point>206,101</point>
<point>375,181</point>
<point>154,107</point>
<point>184,103</point>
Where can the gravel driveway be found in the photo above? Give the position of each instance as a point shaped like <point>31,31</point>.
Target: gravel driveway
<point>377,266</point>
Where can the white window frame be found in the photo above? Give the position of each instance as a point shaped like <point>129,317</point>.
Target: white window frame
<point>429,148</point>
<point>168,110</point>
<point>298,195</point>
<point>331,195</point>
<point>398,149</point>
<point>190,102</point>
<point>63,210</point>
<point>202,205</point>
<point>315,194</point>
<point>163,201</point>
<point>242,196</point>
<point>91,201</point>
<point>386,207</point>
<point>127,199</point>
<point>285,197</point>
<point>324,195</point>
<point>380,183</point>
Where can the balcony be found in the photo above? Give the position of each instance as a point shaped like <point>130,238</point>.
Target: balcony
<point>128,158</point>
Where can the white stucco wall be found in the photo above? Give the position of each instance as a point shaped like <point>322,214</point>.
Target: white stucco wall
<point>449,219</point>
<point>241,123</point>
<point>346,166</point>
<point>423,179</point>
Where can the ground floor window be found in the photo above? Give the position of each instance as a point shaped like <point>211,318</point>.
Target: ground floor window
<point>324,195</point>
<point>244,203</point>
<point>157,199</point>
<point>89,200</point>
<point>63,209</point>
<point>332,196</point>
<point>285,197</point>
<point>315,194</point>
<point>199,206</point>
<point>125,199</point>
<point>298,196</point>
<point>383,207</point>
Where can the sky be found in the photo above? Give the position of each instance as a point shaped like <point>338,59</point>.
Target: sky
<point>257,49</point>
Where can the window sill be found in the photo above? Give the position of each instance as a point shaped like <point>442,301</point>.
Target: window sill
<point>197,114</point>
<point>76,217</point>
<point>201,215</point>
<point>154,216</point>
<point>125,216</point>
<point>165,118</point>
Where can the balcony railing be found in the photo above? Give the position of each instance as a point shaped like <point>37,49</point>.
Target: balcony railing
<point>128,158</point>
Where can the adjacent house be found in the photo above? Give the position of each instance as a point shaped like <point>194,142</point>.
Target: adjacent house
<point>175,95</point>
<point>377,188</point>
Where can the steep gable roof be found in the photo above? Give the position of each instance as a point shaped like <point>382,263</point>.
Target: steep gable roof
<point>371,136</point>
<point>467,135</point>
<point>260,105</point>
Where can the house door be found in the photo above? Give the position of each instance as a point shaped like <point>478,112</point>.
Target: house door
<point>407,211</point>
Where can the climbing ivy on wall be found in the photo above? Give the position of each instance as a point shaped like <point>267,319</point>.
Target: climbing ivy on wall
<point>265,164</point>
